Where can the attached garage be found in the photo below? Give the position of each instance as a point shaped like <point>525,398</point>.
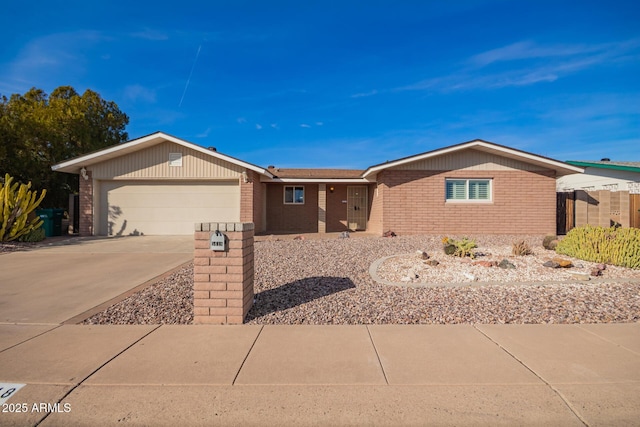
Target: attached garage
<point>162,185</point>
<point>165,208</point>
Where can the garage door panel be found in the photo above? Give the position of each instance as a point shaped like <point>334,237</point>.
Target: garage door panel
<point>134,207</point>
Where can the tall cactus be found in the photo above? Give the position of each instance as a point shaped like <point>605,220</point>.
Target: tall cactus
<point>15,207</point>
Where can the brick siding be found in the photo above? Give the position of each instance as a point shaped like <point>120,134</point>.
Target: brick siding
<point>413,202</point>
<point>251,200</point>
<point>86,205</point>
<point>292,218</point>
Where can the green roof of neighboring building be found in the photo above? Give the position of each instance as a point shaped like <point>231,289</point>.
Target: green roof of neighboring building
<point>621,166</point>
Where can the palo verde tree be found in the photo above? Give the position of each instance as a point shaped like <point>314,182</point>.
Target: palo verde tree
<point>39,130</point>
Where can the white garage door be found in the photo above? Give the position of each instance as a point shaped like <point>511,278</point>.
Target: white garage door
<point>152,208</point>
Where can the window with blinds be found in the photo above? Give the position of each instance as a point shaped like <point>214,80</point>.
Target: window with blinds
<point>468,189</point>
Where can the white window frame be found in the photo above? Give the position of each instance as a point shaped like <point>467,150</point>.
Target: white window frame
<point>284,195</point>
<point>467,199</point>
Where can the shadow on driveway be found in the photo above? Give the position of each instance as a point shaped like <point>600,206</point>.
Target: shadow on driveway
<point>296,293</point>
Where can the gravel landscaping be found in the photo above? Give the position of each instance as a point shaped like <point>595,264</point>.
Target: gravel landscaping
<point>328,282</point>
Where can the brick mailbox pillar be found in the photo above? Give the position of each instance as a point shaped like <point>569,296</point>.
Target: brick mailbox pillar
<point>223,279</point>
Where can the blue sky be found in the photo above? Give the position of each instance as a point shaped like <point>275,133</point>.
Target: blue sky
<point>345,83</point>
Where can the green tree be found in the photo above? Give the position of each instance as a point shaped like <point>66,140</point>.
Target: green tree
<point>38,131</point>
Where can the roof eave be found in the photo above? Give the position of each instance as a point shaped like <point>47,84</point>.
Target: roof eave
<point>561,168</point>
<point>74,165</point>
<point>603,166</point>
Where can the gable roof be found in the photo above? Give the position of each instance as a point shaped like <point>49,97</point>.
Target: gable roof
<point>74,165</point>
<point>561,168</point>
<point>603,164</point>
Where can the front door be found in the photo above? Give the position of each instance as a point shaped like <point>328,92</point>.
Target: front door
<point>357,207</point>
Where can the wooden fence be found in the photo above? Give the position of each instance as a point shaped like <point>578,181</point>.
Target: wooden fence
<point>602,207</point>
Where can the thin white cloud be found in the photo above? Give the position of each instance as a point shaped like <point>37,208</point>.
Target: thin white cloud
<point>150,34</point>
<point>241,120</point>
<point>51,58</point>
<point>529,50</point>
<point>258,126</point>
<point>304,125</point>
<point>136,93</point>
<point>365,94</point>
<point>204,134</point>
<point>528,64</point>
<point>319,124</point>
<point>274,126</point>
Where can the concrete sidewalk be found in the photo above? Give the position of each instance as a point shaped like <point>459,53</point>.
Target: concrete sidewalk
<point>322,375</point>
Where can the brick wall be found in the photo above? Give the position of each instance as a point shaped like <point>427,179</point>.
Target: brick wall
<point>251,200</point>
<point>376,194</point>
<point>283,218</point>
<point>223,281</point>
<point>86,205</point>
<point>523,202</point>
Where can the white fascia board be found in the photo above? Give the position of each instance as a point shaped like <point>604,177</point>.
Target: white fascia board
<point>512,153</point>
<point>148,140</point>
<point>319,180</point>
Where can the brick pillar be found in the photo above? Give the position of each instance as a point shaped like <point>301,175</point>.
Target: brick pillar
<point>223,281</point>
<point>604,208</point>
<point>625,219</point>
<point>322,208</point>
<point>86,205</point>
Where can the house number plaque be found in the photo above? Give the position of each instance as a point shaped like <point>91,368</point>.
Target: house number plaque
<point>217,241</point>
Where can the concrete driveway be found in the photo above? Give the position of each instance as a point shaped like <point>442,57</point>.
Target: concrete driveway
<point>53,283</point>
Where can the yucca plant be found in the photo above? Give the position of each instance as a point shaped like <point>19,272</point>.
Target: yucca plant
<point>17,201</point>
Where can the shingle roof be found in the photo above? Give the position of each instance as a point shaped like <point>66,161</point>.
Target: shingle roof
<point>316,173</point>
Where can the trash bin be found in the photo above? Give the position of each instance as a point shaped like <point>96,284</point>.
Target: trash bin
<point>47,221</point>
<point>52,221</point>
<point>57,215</point>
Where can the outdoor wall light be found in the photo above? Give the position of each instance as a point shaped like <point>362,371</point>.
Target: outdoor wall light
<point>331,189</point>
<point>83,172</point>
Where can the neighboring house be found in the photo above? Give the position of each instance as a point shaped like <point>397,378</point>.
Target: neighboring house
<point>160,184</point>
<point>602,175</point>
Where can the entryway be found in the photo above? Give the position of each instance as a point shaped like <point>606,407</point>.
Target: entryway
<point>357,207</point>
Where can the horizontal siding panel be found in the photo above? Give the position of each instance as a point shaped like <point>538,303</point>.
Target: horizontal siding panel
<point>153,163</point>
<point>469,159</point>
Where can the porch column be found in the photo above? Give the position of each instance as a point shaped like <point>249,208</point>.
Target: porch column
<point>86,205</point>
<point>322,208</point>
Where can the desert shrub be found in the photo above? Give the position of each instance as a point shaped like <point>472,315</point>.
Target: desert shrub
<point>617,246</point>
<point>460,248</point>
<point>550,242</point>
<point>16,203</point>
<point>35,235</point>
<point>520,248</point>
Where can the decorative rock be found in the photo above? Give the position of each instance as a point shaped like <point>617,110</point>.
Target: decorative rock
<point>432,262</point>
<point>405,279</point>
<point>551,264</point>
<point>486,263</point>
<point>298,238</point>
<point>595,272</point>
<point>506,264</point>
<point>344,235</point>
<point>580,276</point>
<point>601,267</point>
<point>389,234</point>
<point>469,276</point>
<point>564,263</point>
<point>422,254</point>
